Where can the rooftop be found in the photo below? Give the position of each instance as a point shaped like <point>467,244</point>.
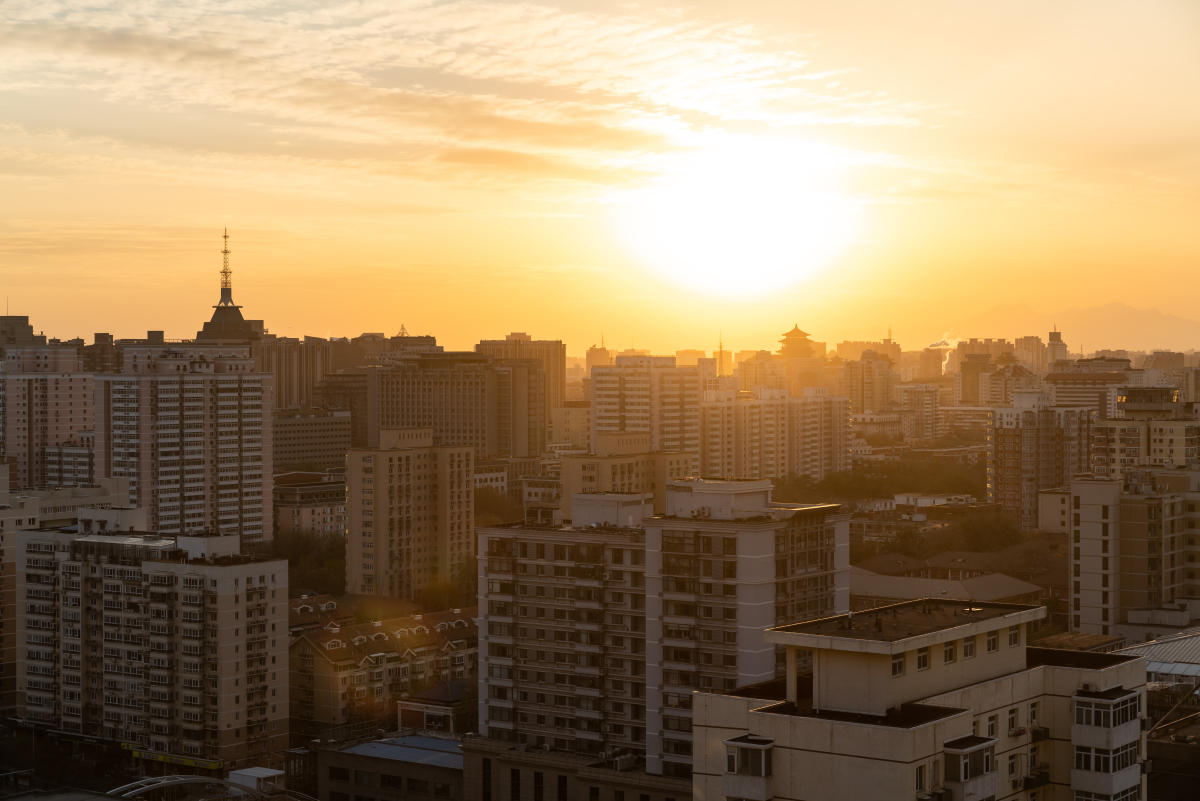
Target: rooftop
<point>415,749</point>
<point>1086,660</point>
<point>1076,641</point>
<point>903,621</point>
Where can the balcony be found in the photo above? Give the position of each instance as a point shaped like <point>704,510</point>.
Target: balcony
<point>1039,733</point>
<point>1039,776</point>
<point>1106,783</point>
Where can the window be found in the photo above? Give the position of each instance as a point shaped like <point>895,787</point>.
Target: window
<point>993,642</point>
<point>1014,636</point>
<point>920,778</point>
<point>949,653</point>
<point>1012,764</point>
<point>339,774</point>
<point>897,665</point>
<point>1104,715</point>
<point>969,647</point>
<point>418,786</point>
<point>1012,720</point>
<point>1102,760</point>
<point>562,788</point>
<point>396,782</point>
<point>991,729</point>
<point>922,659</point>
<point>1033,710</point>
<point>365,778</point>
<point>747,761</point>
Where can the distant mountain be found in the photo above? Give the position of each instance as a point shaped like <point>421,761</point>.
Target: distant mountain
<point>1114,325</point>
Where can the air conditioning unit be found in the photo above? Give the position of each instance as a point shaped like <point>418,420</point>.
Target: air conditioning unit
<point>606,576</point>
<point>605,728</point>
<point>1089,687</point>
<point>1018,783</point>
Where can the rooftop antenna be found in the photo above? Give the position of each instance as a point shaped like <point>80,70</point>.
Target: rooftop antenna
<point>403,330</point>
<point>226,274</point>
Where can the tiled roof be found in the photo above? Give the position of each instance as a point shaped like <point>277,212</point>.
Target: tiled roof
<point>435,631</point>
<point>992,587</point>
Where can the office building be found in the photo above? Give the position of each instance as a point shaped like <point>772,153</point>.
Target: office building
<point>497,407</point>
<point>598,357</point>
<point>622,462</point>
<point>552,354</point>
<point>309,439</point>
<point>927,699</point>
<point>184,657</point>
<point>312,503</point>
<point>996,387</point>
<point>1056,351</point>
<point>1033,446</point>
<point>357,673</point>
<point>648,395</point>
<point>572,423</point>
<point>346,390</point>
<point>597,634</point>
<point>400,768</point>
<point>852,351</point>
<point>868,383</point>
<point>410,512</point>
<point>1031,352</point>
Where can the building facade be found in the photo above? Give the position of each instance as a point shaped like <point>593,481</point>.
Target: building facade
<point>310,503</point>
<point>410,513</point>
<point>648,395</point>
<point>622,462</point>
<point>174,647</point>
<point>309,439</point>
<point>40,410</point>
<point>1035,446</point>
<point>552,354</point>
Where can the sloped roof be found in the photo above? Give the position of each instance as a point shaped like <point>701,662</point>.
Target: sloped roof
<point>992,587</point>
<point>962,560</point>
<point>398,636</point>
<point>1184,649</point>
<point>418,750</point>
<point>889,564</point>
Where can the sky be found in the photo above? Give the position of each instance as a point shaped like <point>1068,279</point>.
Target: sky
<point>664,175</point>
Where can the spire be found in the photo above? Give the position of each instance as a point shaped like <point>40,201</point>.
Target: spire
<point>226,274</point>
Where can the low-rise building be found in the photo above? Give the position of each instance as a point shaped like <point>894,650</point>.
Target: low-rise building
<point>312,611</point>
<point>927,699</point>
<point>400,768</point>
<point>313,503</point>
<point>350,674</point>
<point>310,439</point>
<point>870,590</point>
<point>622,462</point>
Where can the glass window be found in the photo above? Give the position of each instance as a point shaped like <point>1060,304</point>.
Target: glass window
<point>1014,636</point>
<point>897,665</point>
<point>993,641</point>
<point>949,652</point>
<point>969,647</point>
<point>922,659</point>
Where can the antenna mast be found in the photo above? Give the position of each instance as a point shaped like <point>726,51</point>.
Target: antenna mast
<point>226,273</point>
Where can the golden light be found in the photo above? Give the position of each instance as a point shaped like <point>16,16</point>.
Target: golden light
<point>741,216</point>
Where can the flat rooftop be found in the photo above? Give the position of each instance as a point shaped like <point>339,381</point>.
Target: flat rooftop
<point>905,620</point>
<point>415,749</point>
<point>907,716</point>
<point>1088,660</point>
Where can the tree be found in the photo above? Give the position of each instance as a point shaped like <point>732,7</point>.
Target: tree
<point>316,561</point>
<point>494,508</point>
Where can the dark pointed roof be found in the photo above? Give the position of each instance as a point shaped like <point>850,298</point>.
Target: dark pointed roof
<point>796,332</point>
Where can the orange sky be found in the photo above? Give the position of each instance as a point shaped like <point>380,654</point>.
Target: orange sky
<point>472,168</point>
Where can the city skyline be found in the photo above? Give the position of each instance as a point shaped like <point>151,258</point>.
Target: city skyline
<point>493,155</point>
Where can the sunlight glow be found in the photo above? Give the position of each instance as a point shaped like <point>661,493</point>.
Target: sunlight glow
<point>742,216</point>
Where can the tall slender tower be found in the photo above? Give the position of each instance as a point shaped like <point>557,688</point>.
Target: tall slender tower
<point>226,274</point>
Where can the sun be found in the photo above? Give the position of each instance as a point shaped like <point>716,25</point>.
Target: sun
<point>742,216</point>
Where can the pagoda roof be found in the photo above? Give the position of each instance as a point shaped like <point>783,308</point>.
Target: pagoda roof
<point>796,332</point>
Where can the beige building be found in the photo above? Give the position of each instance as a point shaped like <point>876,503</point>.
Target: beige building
<point>996,388</point>
<point>552,354</point>
<point>175,647</point>
<point>309,439</point>
<point>40,410</point>
<point>1154,430</point>
<point>927,699</point>
<point>348,674</point>
<point>410,509</point>
<point>1098,391</point>
<point>572,422</point>
<point>1033,446</point>
<point>648,395</point>
<point>868,383</point>
<point>297,366</point>
<point>622,462</point>
<point>189,426</point>
<point>920,411</point>
<point>767,433</point>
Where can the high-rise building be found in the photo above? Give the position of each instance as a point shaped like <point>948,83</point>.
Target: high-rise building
<point>767,433</point>
<point>551,353</point>
<point>347,390</point>
<point>572,422</point>
<point>1096,391</point>
<point>868,383</point>
<point>410,513</point>
<point>688,358</point>
<point>183,655</point>
<point>309,439</point>
<point>496,407</point>
<point>996,387</point>
<point>189,427</point>
<point>298,365</point>
<point>927,699</point>
<point>72,463</point>
<point>1154,430</point>
<point>1031,352</point>
<point>1032,446</point>
<point>648,395</point>
<point>1056,350</point>
<point>920,412</point>
<point>597,635</point>
<point>622,462</point>
<point>40,410</point>
<point>1127,546</point>
<point>598,357</point>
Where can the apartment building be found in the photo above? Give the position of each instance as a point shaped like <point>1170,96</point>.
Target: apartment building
<point>996,388</point>
<point>551,353</point>
<point>309,439</point>
<point>1129,546</point>
<point>1031,352</point>
<point>40,410</point>
<point>1098,391</point>
<point>497,407</point>
<point>597,634</point>
<point>622,462</point>
<point>310,502</point>
<point>173,646</point>
<point>72,463</point>
<point>349,674</point>
<point>868,383</point>
<point>572,423</point>
<point>769,433</point>
<point>920,411</point>
<point>1033,446</point>
<point>189,426</point>
<point>648,395</point>
<point>297,365</point>
<point>1154,429</point>
<point>927,699</point>
<point>415,501</point>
